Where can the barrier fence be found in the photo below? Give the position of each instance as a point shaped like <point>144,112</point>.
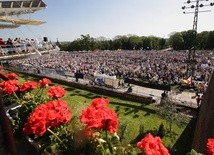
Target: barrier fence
<point>100,80</point>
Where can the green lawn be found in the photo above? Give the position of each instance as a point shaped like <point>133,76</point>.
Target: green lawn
<point>132,115</point>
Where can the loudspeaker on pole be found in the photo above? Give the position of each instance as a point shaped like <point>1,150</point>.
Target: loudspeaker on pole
<point>45,39</point>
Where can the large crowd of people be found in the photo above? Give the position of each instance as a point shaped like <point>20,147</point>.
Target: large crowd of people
<point>161,67</point>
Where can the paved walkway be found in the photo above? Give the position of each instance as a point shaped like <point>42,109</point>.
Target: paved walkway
<point>183,98</point>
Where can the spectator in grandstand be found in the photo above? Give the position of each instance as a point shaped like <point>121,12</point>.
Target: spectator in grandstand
<point>9,42</point>
<point>198,100</point>
<point>2,42</point>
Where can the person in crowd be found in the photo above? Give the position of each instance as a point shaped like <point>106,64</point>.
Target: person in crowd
<point>9,42</point>
<point>198,100</point>
<point>129,90</point>
<point>2,43</point>
<point>164,94</point>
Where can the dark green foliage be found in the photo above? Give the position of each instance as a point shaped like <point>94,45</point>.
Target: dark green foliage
<point>125,42</point>
<point>189,38</point>
<point>122,129</point>
<point>19,118</point>
<point>176,41</point>
<point>161,131</point>
<point>140,135</point>
<point>141,130</point>
<point>184,40</point>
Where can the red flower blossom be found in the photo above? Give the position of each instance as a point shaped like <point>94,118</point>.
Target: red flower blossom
<point>0,67</point>
<point>56,92</point>
<point>44,82</point>
<point>58,113</point>
<point>9,87</point>
<point>37,121</point>
<point>101,118</point>
<point>4,74</point>
<point>152,146</point>
<point>51,114</point>
<point>27,86</point>
<point>210,146</point>
<point>12,76</point>
<point>100,102</point>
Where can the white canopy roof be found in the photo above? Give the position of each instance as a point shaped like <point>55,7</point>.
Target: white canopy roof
<point>18,7</point>
<point>8,26</point>
<point>9,8</point>
<point>21,21</point>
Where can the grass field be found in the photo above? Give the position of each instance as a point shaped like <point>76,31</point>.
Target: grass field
<point>132,115</point>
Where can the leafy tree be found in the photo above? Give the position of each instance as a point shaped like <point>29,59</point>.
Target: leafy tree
<point>75,45</point>
<point>135,42</point>
<point>64,46</point>
<point>146,43</point>
<point>104,45</point>
<point>83,43</point>
<point>162,43</point>
<point>86,42</point>
<point>176,41</point>
<point>124,41</point>
<point>202,40</point>
<point>210,40</point>
<point>116,44</point>
<point>189,39</point>
<point>154,42</point>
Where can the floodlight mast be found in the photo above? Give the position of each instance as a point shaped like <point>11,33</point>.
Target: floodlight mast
<point>191,62</point>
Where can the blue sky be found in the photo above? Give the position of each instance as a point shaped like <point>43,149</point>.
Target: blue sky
<point>68,19</point>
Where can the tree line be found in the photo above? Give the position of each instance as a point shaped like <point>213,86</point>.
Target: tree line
<point>184,40</point>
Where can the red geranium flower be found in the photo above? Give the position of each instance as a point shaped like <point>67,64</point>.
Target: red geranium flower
<point>37,128</point>
<point>27,86</point>
<point>4,74</point>
<point>9,87</point>
<point>51,114</point>
<point>56,92</point>
<point>99,118</point>
<point>152,145</point>
<point>100,102</point>
<point>44,82</point>
<point>58,113</point>
<point>210,146</point>
<point>12,76</point>
<point>37,121</point>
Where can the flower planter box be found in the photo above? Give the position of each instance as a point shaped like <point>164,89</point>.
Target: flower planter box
<point>24,145</point>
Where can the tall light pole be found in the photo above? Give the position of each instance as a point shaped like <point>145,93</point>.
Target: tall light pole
<point>196,4</point>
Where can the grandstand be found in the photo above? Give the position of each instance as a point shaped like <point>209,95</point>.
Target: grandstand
<point>17,47</point>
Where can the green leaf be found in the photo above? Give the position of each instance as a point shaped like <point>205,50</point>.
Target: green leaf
<point>193,152</point>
